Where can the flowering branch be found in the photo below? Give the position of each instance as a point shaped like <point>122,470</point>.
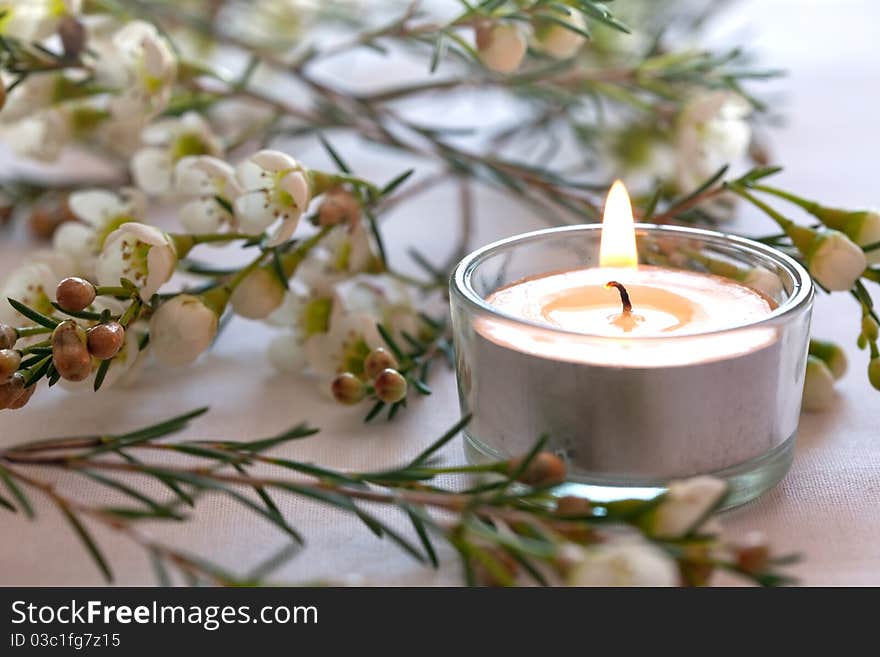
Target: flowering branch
<point>506,529</point>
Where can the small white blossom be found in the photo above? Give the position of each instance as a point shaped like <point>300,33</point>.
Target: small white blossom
<point>835,261</point>
<point>34,20</point>
<point>386,299</point>
<point>166,143</point>
<point>182,329</point>
<point>143,67</point>
<point>558,41</point>
<point>33,284</point>
<point>623,563</point>
<point>502,46</point>
<point>304,314</point>
<point>141,253</point>
<point>40,137</point>
<point>343,348</point>
<point>101,212</point>
<point>711,131</point>
<point>275,186</point>
<point>765,281</point>
<point>258,295</point>
<point>213,188</point>
<point>349,248</point>
<point>686,505</point>
<point>818,386</point>
<point>34,94</point>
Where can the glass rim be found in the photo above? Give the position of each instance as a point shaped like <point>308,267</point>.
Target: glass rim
<point>802,292</point>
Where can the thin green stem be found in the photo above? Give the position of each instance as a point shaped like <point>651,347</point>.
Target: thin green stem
<point>32,330</point>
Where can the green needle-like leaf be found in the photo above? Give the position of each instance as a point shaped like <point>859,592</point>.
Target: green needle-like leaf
<point>88,541</point>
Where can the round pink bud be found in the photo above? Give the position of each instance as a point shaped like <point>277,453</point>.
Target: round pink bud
<point>377,360</point>
<point>8,336</point>
<point>23,398</point>
<point>105,340</point>
<point>70,352</point>
<point>75,294</point>
<point>9,362</point>
<point>348,389</point>
<point>338,206</point>
<point>11,390</point>
<point>390,386</point>
<point>545,469</point>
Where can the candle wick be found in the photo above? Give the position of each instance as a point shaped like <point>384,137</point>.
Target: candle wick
<point>624,296</point>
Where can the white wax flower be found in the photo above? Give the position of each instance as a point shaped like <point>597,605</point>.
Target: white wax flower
<point>34,20</point>
<point>502,46</point>
<point>349,247</point>
<point>275,187</point>
<point>686,505</point>
<point>182,329</point>
<point>305,314</point>
<point>212,187</point>
<point>141,253</point>
<point>818,386</point>
<point>258,295</point>
<point>623,563</point>
<point>343,348</point>
<point>101,212</point>
<point>557,41</point>
<point>166,143</point>
<point>383,297</point>
<point>143,66</point>
<point>835,261</point>
<point>33,284</point>
<point>711,131</point>
<point>40,137</point>
<point>33,94</point>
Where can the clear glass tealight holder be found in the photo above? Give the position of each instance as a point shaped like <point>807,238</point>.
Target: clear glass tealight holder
<point>630,414</point>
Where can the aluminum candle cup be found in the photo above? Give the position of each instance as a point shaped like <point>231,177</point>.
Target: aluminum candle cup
<point>631,413</point>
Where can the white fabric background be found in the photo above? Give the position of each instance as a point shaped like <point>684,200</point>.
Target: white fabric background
<point>827,508</point>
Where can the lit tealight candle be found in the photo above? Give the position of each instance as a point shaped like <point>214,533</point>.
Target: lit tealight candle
<point>620,297</point>
<point>638,374</point>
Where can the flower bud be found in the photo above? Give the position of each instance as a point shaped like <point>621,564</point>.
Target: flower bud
<point>834,260</point>
<point>752,553</point>
<point>9,362</point>
<point>8,336</point>
<point>258,295</point>
<point>338,206</point>
<point>73,36</point>
<point>377,360</point>
<point>556,40</point>
<point>502,46</point>
<point>870,328</point>
<point>11,390</point>
<point>348,389</point>
<point>75,294</point>
<point>861,341</point>
<point>874,372</point>
<point>818,386</point>
<point>572,505</point>
<point>70,353</point>
<point>23,398</point>
<point>181,329</point>
<point>832,355</point>
<point>686,505</point>
<point>861,226</point>
<point>545,469</point>
<point>390,386</point>
<point>105,340</point>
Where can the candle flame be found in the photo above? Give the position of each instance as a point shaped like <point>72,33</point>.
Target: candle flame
<point>618,245</point>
